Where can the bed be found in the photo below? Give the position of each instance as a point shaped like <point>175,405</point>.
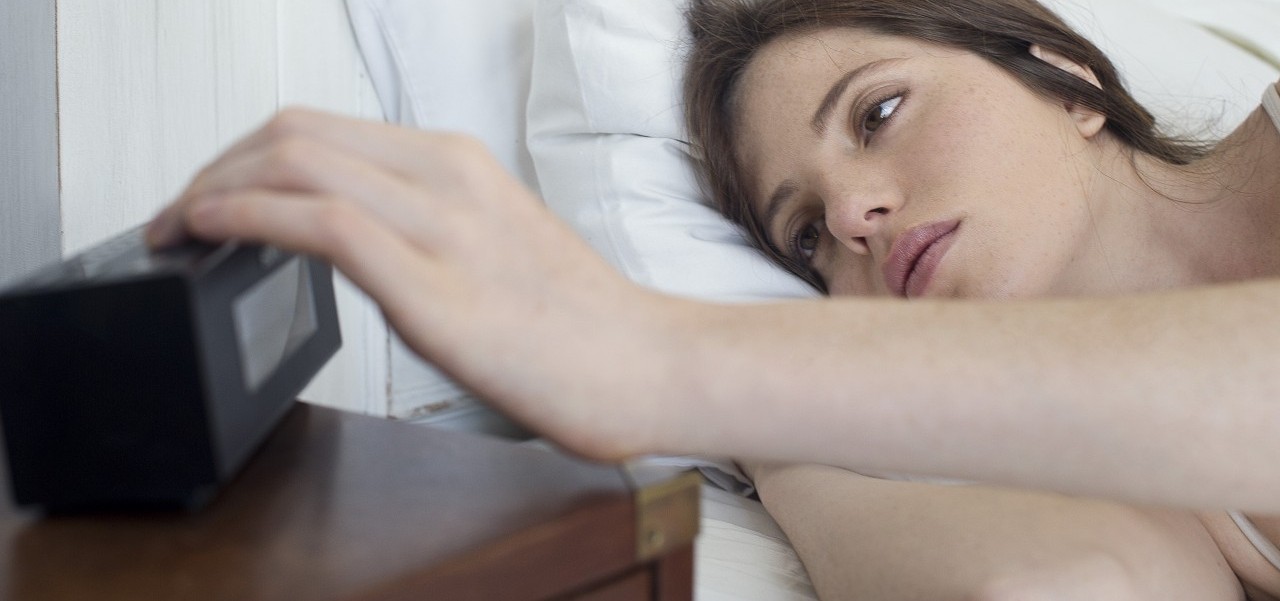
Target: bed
<point>580,99</point>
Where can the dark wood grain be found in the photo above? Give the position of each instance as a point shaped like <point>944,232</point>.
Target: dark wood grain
<point>340,506</point>
<point>673,575</point>
<point>636,586</point>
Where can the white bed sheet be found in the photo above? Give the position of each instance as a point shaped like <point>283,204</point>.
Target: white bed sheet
<point>741,553</point>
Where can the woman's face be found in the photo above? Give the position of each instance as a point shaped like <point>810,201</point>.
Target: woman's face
<point>897,167</point>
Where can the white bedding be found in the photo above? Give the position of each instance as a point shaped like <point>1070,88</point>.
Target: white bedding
<point>741,553</point>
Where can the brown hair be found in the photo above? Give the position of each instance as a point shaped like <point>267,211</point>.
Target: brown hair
<point>727,34</point>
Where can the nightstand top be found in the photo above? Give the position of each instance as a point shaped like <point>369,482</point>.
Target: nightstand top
<point>342,506</point>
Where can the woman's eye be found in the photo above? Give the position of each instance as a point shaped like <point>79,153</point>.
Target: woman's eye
<point>879,113</point>
<point>806,240</point>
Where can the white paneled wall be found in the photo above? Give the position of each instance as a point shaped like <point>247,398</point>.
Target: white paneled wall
<point>150,90</point>
<point>319,66</point>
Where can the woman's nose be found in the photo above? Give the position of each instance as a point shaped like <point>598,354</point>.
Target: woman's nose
<point>857,212</point>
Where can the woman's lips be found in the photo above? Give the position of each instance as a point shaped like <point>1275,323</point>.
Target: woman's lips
<point>915,256</point>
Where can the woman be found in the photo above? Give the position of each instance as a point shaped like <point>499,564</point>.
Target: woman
<point>970,184</point>
<point>971,150</point>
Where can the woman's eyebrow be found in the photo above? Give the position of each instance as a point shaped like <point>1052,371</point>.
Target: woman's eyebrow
<point>829,102</point>
<point>784,191</point>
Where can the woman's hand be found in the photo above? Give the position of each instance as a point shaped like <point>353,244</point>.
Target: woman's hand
<point>468,266</point>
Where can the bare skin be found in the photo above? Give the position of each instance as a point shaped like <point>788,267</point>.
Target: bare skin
<point>869,538</point>
<point>1174,391</point>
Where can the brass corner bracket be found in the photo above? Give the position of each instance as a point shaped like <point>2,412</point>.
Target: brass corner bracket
<point>667,515</point>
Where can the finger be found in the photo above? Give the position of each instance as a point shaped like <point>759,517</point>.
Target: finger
<point>165,228</point>
<point>294,221</point>
<point>371,254</point>
<point>280,127</point>
<point>304,165</point>
<point>450,164</point>
<point>287,126</point>
<point>436,158</point>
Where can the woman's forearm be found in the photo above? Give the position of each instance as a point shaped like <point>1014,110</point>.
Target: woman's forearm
<point>1169,398</point>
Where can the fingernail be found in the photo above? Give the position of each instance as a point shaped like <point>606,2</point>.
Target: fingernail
<point>157,230</point>
<point>205,208</point>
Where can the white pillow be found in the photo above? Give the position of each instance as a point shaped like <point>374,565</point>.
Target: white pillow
<point>459,66</point>
<point>607,138</point>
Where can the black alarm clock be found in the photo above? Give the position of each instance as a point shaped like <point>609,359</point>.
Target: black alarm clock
<point>132,378</point>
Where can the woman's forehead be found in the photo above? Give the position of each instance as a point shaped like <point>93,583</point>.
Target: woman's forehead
<point>791,77</point>
<point>836,48</point>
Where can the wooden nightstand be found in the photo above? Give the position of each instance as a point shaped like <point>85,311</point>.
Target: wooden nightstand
<point>342,506</point>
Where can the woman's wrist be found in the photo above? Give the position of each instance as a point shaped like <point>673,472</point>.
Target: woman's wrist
<point>669,418</point>
<point>700,404</point>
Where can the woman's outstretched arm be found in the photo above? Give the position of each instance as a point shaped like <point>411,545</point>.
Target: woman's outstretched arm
<point>1168,398</point>
<point>1171,398</point>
